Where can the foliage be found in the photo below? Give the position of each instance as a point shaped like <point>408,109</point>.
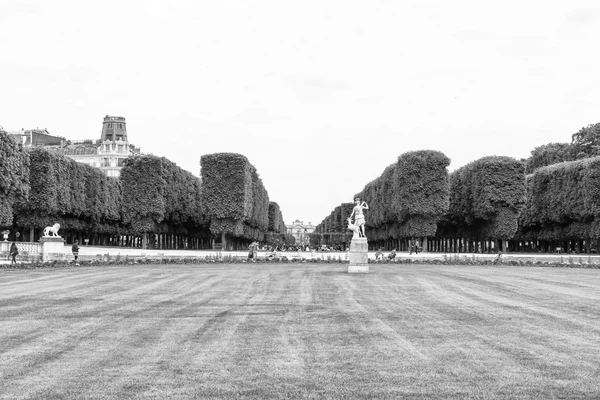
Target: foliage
<point>406,200</point>
<point>586,142</point>
<point>548,154</point>
<point>75,195</point>
<point>486,198</point>
<point>14,177</point>
<point>274,215</point>
<point>233,196</point>
<point>152,195</point>
<point>160,197</point>
<point>322,258</point>
<point>410,196</point>
<point>144,204</point>
<point>563,201</point>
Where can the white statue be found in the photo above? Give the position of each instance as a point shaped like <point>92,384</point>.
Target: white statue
<point>51,229</point>
<point>359,218</point>
<point>355,229</point>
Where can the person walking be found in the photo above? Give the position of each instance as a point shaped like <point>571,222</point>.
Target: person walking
<point>14,251</point>
<point>75,249</point>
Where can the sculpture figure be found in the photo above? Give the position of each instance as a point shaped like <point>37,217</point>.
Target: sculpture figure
<point>359,218</point>
<point>355,229</point>
<point>51,231</point>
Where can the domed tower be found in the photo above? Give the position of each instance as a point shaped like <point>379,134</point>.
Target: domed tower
<point>114,129</point>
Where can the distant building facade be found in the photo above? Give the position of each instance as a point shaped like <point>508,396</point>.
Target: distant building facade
<point>106,153</point>
<point>300,231</point>
<point>37,138</point>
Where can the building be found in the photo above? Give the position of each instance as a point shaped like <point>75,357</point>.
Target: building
<point>300,231</point>
<point>37,138</point>
<point>107,153</point>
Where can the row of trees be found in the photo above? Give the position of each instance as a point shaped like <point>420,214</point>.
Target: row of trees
<point>237,204</point>
<point>407,200</point>
<point>488,204</point>
<point>14,177</point>
<point>563,206</point>
<point>152,202</point>
<point>585,143</point>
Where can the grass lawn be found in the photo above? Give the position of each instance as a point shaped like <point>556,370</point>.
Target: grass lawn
<point>295,330</point>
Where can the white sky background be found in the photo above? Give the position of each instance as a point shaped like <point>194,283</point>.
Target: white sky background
<point>320,96</point>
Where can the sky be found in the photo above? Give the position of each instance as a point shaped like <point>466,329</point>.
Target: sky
<point>320,96</point>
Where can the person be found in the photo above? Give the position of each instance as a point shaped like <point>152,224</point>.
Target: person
<point>252,250</point>
<point>379,254</point>
<point>392,255</point>
<point>417,246</point>
<point>14,251</point>
<point>75,249</point>
<point>359,218</point>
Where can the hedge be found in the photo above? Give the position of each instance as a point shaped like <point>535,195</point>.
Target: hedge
<point>14,177</point>
<point>409,198</point>
<point>406,200</point>
<point>233,196</point>
<point>563,201</point>
<point>486,199</point>
<point>75,195</point>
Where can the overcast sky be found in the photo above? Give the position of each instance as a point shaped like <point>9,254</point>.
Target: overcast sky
<point>320,95</point>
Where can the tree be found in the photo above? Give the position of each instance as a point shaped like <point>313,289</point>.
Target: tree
<point>14,177</point>
<point>586,142</point>
<point>563,201</point>
<point>548,154</point>
<point>144,204</point>
<point>233,196</point>
<point>486,199</point>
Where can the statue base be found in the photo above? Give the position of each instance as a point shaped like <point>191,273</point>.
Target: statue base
<point>53,248</point>
<point>358,256</point>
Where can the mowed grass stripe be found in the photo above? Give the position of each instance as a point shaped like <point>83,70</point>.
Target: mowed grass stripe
<point>85,348</point>
<point>301,331</point>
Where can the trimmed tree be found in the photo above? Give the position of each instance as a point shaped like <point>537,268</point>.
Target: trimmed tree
<point>14,177</point>
<point>563,202</point>
<point>486,199</point>
<point>233,197</point>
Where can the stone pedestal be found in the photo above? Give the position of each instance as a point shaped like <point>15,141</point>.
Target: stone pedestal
<point>53,248</point>
<point>358,256</point>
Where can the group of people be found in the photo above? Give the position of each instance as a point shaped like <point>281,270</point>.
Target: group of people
<point>414,246</point>
<point>379,254</point>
